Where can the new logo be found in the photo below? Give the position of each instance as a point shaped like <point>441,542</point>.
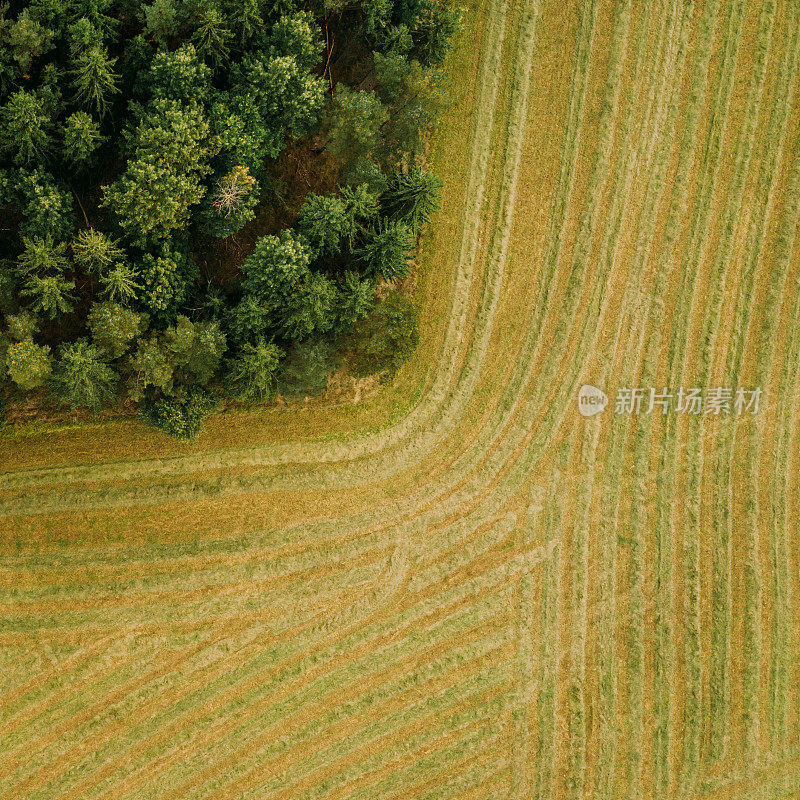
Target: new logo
<point>591,400</point>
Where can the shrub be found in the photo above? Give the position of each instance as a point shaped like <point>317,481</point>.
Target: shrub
<point>181,417</point>
<point>306,368</point>
<point>386,338</point>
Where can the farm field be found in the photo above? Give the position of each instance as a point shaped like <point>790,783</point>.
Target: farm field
<point>461,587</point>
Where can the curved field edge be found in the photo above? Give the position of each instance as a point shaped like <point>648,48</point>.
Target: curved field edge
<point>29,445</point>
<point>528,604</point>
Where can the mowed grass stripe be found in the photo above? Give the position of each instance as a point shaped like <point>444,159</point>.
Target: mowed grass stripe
<point>770,161</point>
<point>525,679</point>
<point>579,577</point>
<point>663,655</point>
<point>346,653</point>
<point>640,466</point>
<point>766,336</point>
<point>549,643</point>
<point>719,691</point>
<point>665,270</point>
<point>708,153</point>
<point>784,643</point>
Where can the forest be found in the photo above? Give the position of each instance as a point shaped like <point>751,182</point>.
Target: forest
<point>211,202</point>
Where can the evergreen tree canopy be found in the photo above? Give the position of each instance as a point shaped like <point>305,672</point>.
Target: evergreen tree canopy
<point>205,195</point>
<point>81,378</point>
<point>81,138</point>
<point>25,129</point>
<point>94,79</point>
<point>49,294</point>
<point>170,149</point>
<point>277,266</point>
<point>22,326</point>
<point>179,75</point>
<point>355,127</point>
<point>46,207</point>
<point>96,252</point>
<point>325,223</point>
<point>386,250</point>
<point>252,374</point>
<point>114,327</point>
<point>412,196</point>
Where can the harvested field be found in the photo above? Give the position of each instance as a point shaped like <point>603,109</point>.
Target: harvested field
<point>461,587</point>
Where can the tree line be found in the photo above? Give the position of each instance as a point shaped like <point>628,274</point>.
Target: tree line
<point>134,137</point>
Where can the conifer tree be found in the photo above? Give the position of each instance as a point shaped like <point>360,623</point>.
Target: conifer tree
<point>27,39</point>
<point>325,223</point>
<point>49,294</point>
<point>81,139</point>
<point>211,35</point>
<point>81,378</point>
<point>96,252</point>
<point>25,129</point>
<point>252,374</point>
<point>94,79</point>
<point>161,20</point>
<point>170,153</point>
<point>386,249</point>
